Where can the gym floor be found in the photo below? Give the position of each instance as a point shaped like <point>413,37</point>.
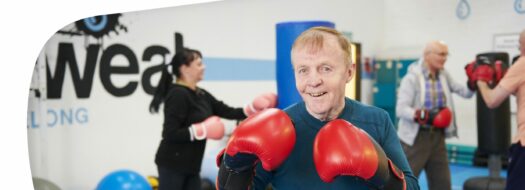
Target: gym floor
<point>459,174</point>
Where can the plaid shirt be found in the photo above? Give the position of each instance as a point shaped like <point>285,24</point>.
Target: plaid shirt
<point>434,96</point>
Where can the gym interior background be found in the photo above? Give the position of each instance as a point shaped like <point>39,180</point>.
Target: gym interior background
<point>92,84</point>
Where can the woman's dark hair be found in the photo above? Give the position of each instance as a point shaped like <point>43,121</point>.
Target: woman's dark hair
<point>185,56</point>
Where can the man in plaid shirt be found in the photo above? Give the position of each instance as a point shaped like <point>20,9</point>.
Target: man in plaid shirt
<point>425,111</point>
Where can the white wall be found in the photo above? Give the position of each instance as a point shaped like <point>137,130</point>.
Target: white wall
<point>248,27</point>
<point>409,24</point>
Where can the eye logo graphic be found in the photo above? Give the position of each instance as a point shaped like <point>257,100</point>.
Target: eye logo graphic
<point>97,26</point>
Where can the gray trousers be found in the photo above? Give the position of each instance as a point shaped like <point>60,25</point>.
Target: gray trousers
<point>429,153</point>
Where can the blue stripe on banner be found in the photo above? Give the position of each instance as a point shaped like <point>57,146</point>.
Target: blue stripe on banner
<point>218,69</point>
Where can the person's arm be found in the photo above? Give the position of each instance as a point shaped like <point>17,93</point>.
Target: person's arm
<point>406,97</point>
<point>261,102</point>
<point>392,147</point>
<point>506,86</point>
<point>458,88</point>
<point>492,97</point>
<point>222,110</point>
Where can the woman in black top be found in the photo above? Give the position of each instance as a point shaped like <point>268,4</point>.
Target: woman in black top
<point>191,115</point>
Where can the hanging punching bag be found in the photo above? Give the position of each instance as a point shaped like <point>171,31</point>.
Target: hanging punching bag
<point>287,32</point>
<point>493,124</point>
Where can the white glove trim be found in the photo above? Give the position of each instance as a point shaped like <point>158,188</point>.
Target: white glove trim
<point>195,134</point>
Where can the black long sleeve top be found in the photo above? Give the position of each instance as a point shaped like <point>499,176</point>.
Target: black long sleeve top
<point>182,108</point>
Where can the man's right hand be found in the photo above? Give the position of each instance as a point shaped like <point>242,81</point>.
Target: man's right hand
<point>268,137</point>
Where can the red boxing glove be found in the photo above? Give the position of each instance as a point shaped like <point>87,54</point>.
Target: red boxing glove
<point>211,128</point>
<point>340,148</point>
<point>499,70</point>
<point>469,70</point>
<point>438,117</point>
<point>484,73</point>
<point>269,135</point>
<point>481,72</point>
<point>261,102</point>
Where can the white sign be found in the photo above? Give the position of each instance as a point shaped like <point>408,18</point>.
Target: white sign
<point>508,43</point>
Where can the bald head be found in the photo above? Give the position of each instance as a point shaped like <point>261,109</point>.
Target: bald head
<point>434,46</point>
<point>435,55</point>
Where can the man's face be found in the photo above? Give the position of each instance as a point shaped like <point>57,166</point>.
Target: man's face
<point>437,57</point>
<point>321,77</point>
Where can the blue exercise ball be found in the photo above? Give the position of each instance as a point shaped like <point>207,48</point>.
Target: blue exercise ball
<point>123,180</point>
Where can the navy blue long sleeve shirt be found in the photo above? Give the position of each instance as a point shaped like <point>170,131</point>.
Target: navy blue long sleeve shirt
<point>298,170</point>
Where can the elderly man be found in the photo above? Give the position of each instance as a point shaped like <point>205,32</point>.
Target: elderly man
<point>327,141</point>
<point>425,109</point>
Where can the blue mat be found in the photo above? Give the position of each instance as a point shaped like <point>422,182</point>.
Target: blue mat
<point>460,174</point>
